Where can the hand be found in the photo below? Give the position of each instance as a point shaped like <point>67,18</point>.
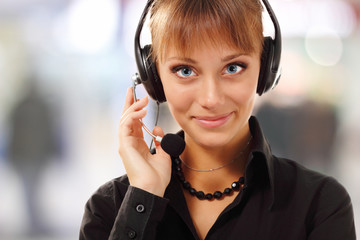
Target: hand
<point>149,172</point>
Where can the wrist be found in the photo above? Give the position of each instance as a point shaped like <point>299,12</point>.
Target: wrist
<point>154,189</point>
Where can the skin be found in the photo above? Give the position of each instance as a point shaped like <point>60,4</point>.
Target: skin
<point>212,102</point>
<point>149,172</point>
<point>211,94</point>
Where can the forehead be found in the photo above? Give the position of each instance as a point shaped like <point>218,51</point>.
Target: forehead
<point>217,46</point>
<point>188,24</point>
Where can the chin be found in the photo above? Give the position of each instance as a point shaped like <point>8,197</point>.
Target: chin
<point>217,136</point>
<point>213,139</point>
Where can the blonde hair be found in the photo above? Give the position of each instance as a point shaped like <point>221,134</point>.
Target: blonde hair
<point>187,24</point>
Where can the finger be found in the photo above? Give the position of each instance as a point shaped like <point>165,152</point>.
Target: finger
<point>130,129</point>
<point>129,99</point>
<point>130,122</point>
<point>140,104</point>
<point>157,131</point>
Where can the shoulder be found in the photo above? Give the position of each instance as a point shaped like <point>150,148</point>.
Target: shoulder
<point>320,200</point>
<point>293,171</point>
<point>309,185</point>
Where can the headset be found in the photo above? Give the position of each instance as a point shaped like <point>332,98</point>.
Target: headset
<point>147,75</point>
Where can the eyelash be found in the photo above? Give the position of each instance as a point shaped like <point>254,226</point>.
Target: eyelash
<point>181,67</point>
<point>239,64</point>
<point>176,69</point>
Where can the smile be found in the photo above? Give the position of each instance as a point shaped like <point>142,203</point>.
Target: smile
<point>212,121</point>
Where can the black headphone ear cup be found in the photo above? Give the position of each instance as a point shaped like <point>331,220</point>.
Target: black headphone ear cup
<point>151,79</point>
<point>266,78</point>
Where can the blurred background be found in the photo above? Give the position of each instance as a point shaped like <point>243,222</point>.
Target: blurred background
<point>65,66</point>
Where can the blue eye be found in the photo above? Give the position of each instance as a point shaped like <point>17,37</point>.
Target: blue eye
<point>185,72</point>
<point>234,68</point>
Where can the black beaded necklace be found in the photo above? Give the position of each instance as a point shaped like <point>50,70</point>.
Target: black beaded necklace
<point>235,186</point>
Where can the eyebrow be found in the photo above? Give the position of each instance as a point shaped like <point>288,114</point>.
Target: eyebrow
<point>185,59</point>
<point>192,61</point>
<point>231,57</point>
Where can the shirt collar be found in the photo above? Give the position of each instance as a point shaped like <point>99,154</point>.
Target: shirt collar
<point>261,159</point>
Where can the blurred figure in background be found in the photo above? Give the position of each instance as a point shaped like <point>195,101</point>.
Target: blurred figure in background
<point>313,137</point>
<point>31,146</point>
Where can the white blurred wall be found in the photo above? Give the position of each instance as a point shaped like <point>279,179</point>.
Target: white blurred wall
<point>79,54</point>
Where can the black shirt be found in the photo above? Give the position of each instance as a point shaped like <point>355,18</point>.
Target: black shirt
<point>280,200</point>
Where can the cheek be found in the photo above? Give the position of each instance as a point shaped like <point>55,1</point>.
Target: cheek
<point>178,100</point>
<point>250,88</point>
<point>244,93</point>
<point>244,100</point>
<point>243,96</point>
<point>178,105</point>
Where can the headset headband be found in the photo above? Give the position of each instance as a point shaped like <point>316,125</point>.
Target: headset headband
<point>277,37</point>
<point>270,59</point>
<point>138,55</point>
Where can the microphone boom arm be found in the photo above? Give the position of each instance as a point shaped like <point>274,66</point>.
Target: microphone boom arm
<point>135,79</point>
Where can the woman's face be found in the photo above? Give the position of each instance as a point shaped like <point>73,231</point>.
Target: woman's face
<point>211,92</point>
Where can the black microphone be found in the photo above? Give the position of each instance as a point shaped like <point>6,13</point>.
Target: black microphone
<point>173,144</point>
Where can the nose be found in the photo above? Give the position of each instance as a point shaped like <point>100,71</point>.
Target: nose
<point>210,93</point>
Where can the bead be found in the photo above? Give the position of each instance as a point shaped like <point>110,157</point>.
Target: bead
<point>242,180</point>
<point>177,161</point>
<point>181,178</point>
<point>179,174</point>
<point>186,184</point>
<point>209,196</point>
<point>235,185</point>
<point>192,191</point>
<point>200,195</point>
<point>217,195</point>
<point>227,191</point>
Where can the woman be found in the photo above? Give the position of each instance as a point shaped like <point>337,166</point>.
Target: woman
<point>226,184</point>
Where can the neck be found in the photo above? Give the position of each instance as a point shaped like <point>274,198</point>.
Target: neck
<point>202,157</point>
<point>232,156</point>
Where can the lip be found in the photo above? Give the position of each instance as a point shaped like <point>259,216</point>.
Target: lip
<point>213,121</point>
